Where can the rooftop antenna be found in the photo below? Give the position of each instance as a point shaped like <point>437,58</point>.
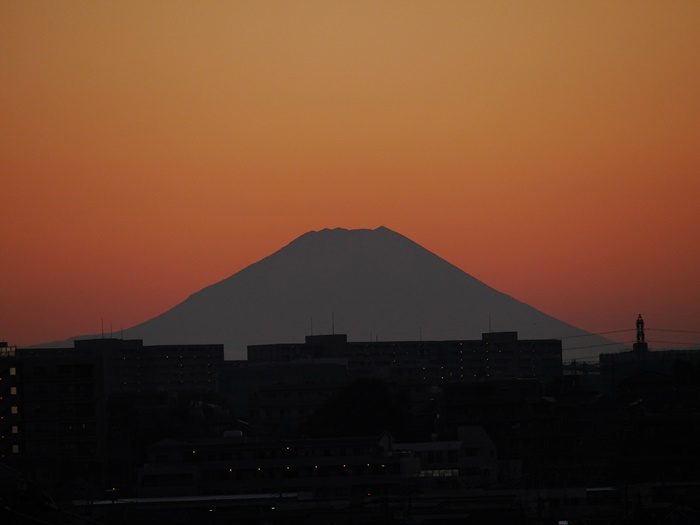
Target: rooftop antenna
<point>641,344</point>
<point>420,333</point>
<point>102,323</point>
<point>489,323</point>
<point>640,329</point>
<point>333,323</point>
<point>312,326</point>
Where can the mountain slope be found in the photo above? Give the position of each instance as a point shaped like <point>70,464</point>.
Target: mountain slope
<point>373,283</point>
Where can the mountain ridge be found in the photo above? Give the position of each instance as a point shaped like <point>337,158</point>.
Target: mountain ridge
<point>373,283</point>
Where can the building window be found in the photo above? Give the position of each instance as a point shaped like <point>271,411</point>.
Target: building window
<point>15,449</point>
<point>13,371</point>
<point>15,429</point>
<point>13,409</point>
<point>13,390</point>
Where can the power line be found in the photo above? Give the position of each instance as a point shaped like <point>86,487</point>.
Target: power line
<point>674,342</point>
<point>631,342</point>
<point>669,330</point>
<point>599,333</point>
<point>632,330</point>
<point>602,344</point>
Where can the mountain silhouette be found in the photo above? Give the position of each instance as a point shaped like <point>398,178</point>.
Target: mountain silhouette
<point>368,284</point>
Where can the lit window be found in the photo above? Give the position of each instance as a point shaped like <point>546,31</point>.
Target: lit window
<point>15,429</point>
<point>15,449</point>
<point>13,371</point>
<point>13,390</point>
<point>13,410</point>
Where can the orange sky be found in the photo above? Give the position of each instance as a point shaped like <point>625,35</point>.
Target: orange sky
<point>148,149</point>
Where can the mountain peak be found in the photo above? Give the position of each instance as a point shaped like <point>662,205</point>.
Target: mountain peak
<point>340,232</point>
<point>372,283</point>
<point>327,237</point>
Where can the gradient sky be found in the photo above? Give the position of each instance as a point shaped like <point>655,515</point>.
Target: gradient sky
<point>148,149</point>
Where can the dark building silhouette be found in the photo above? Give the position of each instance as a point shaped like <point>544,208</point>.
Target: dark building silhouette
<point>131,367</point>
<point>76,407</point>
<point>657,394</point>
<point>615,368</point>
<point>495,355</point>
<point>488,431</point>
<point>295,381</point>
<point>9,404</point>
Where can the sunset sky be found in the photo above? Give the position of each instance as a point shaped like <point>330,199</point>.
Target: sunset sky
<point>149,149</point>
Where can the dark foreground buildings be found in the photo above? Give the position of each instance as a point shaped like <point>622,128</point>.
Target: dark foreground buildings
<point>77,413</point>
<point>494,356</point>
<point>493,430</point>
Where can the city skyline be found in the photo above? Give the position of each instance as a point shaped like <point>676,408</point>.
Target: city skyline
<point>149,151</point>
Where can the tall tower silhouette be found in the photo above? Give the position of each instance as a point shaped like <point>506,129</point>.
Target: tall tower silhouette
<point>641,344</point>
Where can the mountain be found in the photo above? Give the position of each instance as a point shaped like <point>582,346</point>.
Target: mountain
<point>365,283</point>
